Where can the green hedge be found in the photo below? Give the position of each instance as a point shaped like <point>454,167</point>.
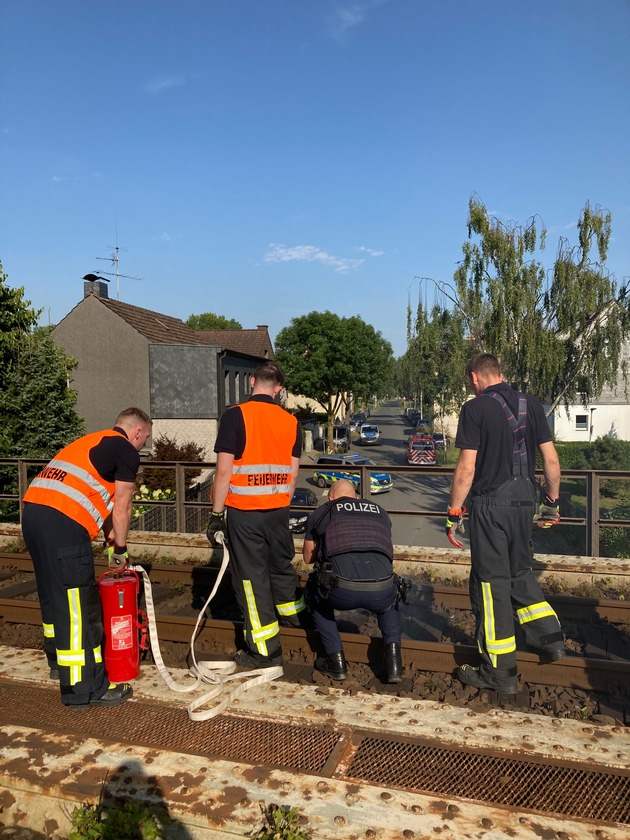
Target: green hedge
<point>605,453</point>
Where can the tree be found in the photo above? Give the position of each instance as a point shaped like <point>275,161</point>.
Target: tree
<point>40,409</point>
<point>558,333</point>
<point>37,410</point>
<point>433,369</point>
<point>210,321</point>
<point>331,359</point>
<point>17,319</point>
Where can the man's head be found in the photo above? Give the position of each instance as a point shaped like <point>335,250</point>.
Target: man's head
<point>341,488</point>
<point>484,370</point>
<point>136,424</point>
<point>268,378</point>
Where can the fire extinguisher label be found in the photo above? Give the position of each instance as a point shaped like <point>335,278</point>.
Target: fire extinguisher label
<point>122,632</point>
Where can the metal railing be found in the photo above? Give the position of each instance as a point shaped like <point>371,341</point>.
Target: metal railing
<point>187,510</point>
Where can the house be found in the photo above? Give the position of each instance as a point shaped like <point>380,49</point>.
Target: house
<point>129,356</point>
<point>608,415</point>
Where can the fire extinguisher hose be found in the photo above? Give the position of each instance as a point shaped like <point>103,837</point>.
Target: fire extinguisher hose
<point>218,674</point>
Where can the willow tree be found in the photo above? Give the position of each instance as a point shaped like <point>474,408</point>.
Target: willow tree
<point>332,359</point>
<point>558,333</point>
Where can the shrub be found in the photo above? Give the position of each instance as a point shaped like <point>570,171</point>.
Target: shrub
<point>167,449</point>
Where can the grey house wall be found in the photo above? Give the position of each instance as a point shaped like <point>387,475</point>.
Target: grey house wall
<point>183,381</point>
<point>113,363</point>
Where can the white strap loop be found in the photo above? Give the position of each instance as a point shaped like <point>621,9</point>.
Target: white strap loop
<point>217,674</point>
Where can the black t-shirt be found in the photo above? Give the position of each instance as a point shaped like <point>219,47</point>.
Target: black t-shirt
<point>483,426</point>
<point>115,458</point>
<point>231,435</point>
<point>352,565</point>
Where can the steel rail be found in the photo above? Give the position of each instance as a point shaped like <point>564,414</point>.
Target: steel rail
<point>427,594</point>
<point>217,636</point>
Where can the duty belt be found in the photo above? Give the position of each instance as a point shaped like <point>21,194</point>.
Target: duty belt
<point>365,585</point>
<point>493,500</point>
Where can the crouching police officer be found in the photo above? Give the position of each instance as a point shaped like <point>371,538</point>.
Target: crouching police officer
<point>349,540</point>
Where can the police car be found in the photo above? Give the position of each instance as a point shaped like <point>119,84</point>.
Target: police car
<point>380,482</point>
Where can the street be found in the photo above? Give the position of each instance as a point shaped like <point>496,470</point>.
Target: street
<point>411,491</point>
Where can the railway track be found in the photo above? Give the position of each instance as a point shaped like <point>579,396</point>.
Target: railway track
<point>218,638</point>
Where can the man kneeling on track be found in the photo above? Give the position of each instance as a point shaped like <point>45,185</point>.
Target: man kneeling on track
<point>349,540</point>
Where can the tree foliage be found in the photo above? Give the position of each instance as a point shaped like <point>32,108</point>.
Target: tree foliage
<point>210,321</point>
<point>333,360</point>
<point>432,370</point>
<point>40,408</point>
<point>37,409</point>
<point>558,333</point>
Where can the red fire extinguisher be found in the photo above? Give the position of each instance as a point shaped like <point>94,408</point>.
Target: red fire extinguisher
<point>122,625</point>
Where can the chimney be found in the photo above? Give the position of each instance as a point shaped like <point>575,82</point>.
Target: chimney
<point>96,287</point>
<point>261,326</point>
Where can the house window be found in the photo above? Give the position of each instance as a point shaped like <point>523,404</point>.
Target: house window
<point>581,422</point>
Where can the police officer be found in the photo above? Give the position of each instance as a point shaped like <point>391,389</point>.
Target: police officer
<point>258,457</point>
<point>88,486</point>
<point>497,435</point>
<point>349,539</point>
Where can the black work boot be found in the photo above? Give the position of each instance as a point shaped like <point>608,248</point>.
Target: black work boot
<point>333,665</point>
<point>393,663</point>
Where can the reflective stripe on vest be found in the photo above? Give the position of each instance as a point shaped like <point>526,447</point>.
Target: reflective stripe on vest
<point>70,484</point>
<point>261,477</point>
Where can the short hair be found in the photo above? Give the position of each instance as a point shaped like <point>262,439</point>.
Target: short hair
<point>485,364</point>
<point>269,372</point>
<point>131,416</point>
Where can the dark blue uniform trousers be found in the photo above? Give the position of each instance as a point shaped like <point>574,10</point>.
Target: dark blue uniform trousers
<point>383,604</point>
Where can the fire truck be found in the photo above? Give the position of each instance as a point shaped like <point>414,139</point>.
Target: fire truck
<point>421,450</point>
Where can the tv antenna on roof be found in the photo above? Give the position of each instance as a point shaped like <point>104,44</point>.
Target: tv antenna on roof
<point>114,261</point>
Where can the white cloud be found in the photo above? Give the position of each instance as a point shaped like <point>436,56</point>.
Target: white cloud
<point>168,82</point>
<point>347,16</point>
<point>310,253</point>
<point>370,251</point>
<point>58,178</point>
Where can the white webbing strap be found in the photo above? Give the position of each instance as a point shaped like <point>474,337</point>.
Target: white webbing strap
<point>217,674</point>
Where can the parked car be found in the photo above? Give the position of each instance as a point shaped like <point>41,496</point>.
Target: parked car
<point>341,438</point>
<point>421,450</point>
<point>369,434</point>
<point>302,497</point>
<point>441,441</point>
<point>331,468</point>
<point>356,421</point>
<point>422,424</point>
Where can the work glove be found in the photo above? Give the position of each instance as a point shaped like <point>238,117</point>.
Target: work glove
<point>117,557</point>
<point>548,513</point>
<point>454,523</point>
<point>216,525</point>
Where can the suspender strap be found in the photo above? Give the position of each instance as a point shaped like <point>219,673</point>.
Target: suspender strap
<point>517,425</point>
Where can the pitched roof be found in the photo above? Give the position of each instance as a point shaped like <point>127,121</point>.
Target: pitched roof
<point>254,342</point>
<point>157,328</point>
<point>164,329</point>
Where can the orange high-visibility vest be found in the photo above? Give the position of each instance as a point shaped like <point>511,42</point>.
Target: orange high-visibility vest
<point>261,478</point>
<point>70,484</point>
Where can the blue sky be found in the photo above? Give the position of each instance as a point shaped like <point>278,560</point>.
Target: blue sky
<point>265,158</point>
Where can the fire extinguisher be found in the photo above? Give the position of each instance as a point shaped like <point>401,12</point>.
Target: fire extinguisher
<point>125,626</point>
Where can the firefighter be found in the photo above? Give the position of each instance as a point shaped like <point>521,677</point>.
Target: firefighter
<point>88,486</point>
<point>258,456</point>
<point>497,435</point>
<point>349,539</point>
